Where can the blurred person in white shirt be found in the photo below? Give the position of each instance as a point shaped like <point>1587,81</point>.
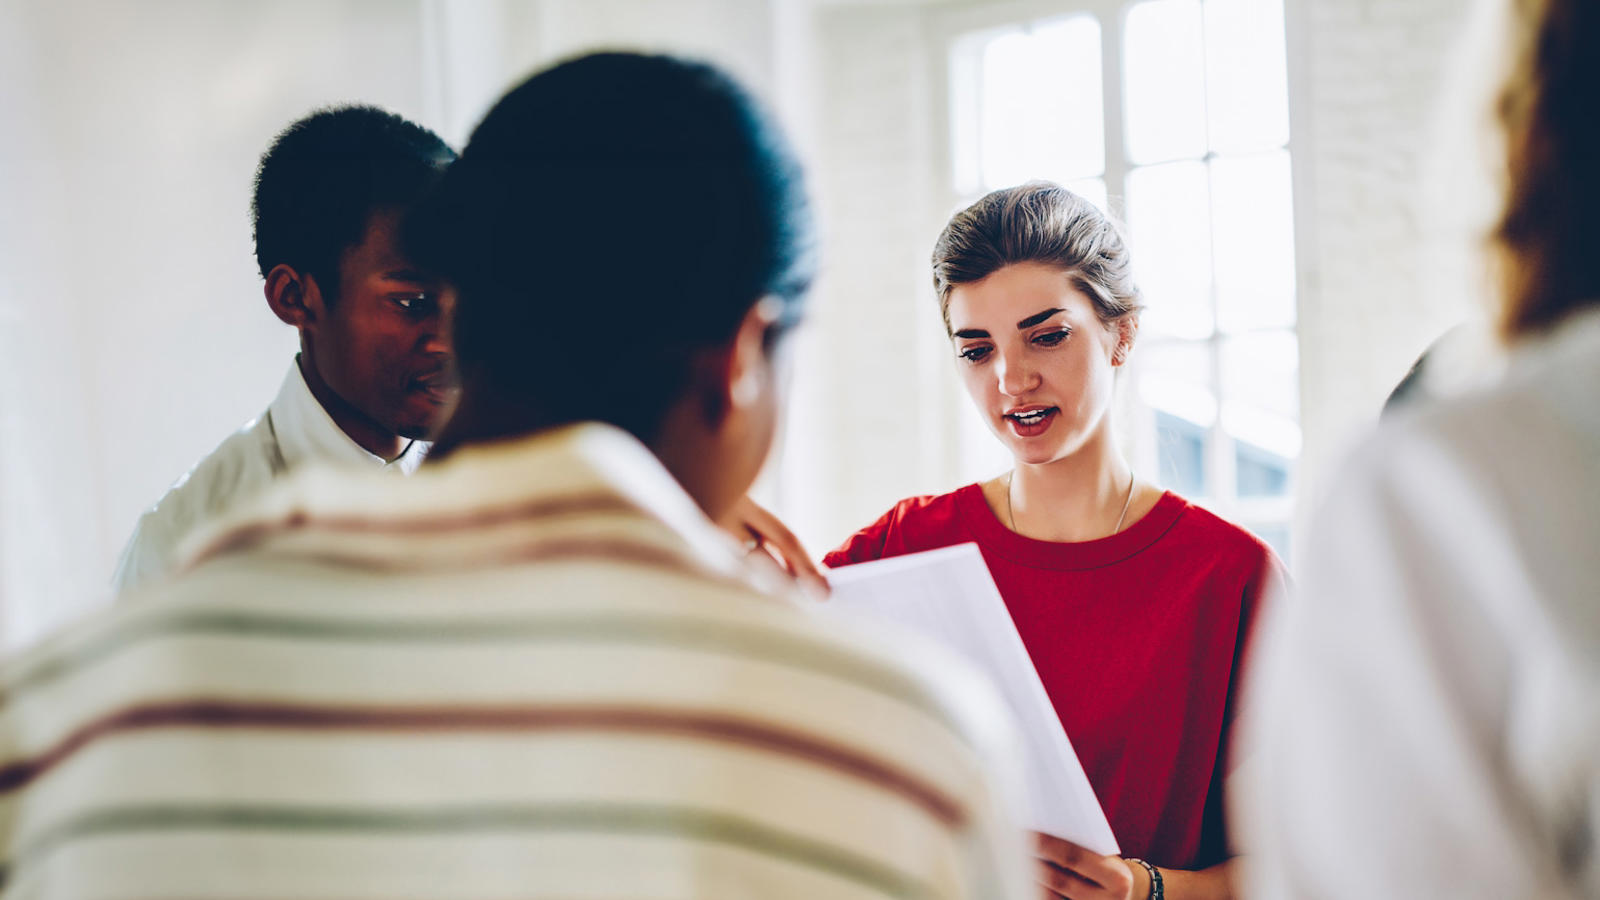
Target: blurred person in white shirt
<point>1425,718</point>
<point>372,377</point>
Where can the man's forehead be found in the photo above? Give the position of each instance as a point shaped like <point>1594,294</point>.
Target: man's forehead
<point>382,244</point>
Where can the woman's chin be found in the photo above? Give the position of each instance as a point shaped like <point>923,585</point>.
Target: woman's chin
<point>1034,455</point>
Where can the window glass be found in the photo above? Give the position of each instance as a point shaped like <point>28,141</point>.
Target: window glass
<point>1169,223</point>
<point>1040,110</point>
<point>1253,222</point>
<point>1164,81</point>
<point>1247,85</point>
<point>1175,383</point>
<point>1261,409</point>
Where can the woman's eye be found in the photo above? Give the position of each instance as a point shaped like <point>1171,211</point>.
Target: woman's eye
<point>975,354</point>
<point>1051,338</point>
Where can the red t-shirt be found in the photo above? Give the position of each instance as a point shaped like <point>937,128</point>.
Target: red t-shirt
<point>1137,638</point>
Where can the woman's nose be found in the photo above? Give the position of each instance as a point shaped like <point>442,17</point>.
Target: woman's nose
<point>1016,377</point>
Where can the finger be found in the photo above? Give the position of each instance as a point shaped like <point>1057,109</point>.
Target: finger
<point>782,543</point>
<point>1109,872</point>
<point>1062,852</point>
<point>1061,883</point>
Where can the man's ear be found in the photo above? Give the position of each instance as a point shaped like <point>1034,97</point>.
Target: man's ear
<point>294,296</point>
<point>739,369</point>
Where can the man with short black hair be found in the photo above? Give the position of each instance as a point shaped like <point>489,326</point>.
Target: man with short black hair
<point>372,377</point>
<point>536,668</point>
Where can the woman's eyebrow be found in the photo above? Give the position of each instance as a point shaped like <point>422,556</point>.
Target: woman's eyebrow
<point>1029,322</point>
<point>1036,318</point>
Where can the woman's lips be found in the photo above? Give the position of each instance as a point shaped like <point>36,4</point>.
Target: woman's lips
<point>1033,421</point>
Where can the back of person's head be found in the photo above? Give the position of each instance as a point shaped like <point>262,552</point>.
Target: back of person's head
<point>1550,226</point>
<point>609,219</point>
<point>326,174</point>
<point>1044,223</point>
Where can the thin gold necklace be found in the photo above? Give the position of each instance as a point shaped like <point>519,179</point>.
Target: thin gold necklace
<point>1127,502</point>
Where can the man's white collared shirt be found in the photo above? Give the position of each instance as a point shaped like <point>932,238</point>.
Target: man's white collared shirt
<point>295,430</point>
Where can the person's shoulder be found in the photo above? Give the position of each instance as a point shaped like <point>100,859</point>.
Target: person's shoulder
<point>1540,408</point>
<point>928,506</point>
<point>1533,431</point>
<point>240,465</point>
<point>1222,535</point>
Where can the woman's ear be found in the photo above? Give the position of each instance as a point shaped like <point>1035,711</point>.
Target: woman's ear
<point>1127,331</point>
<point>294,297</point>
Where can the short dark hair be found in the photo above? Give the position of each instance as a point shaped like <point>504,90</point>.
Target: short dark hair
<point>326,174</point>
<point>613,215</point>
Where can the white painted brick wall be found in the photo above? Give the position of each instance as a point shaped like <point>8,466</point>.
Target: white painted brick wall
<point>873,423</point>
<point>1369,85</point>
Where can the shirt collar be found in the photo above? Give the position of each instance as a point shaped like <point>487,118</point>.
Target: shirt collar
<point>306,433</point>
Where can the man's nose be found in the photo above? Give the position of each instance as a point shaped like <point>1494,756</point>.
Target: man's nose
<point>436,330</point>
<point>435,342</point>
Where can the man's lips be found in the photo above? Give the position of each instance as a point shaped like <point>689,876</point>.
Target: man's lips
<point>440,385</point>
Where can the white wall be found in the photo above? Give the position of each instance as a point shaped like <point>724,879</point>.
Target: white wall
<point>1371,143</point>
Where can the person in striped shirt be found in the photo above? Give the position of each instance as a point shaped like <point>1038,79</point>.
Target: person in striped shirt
<point>535,668</point>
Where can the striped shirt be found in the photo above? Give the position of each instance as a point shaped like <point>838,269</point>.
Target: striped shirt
<point>533,670</point>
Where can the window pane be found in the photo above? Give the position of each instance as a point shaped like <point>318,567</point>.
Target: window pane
<point>1041,114</point>
<point>1246,79</point>
<point>1260,386</point>
<point>1169,224</point>
<point>1175,384</point>
<point>1253,218</point>
<point>1164,77</point>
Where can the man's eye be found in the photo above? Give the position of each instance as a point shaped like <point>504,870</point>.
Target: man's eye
<point>975,354</point>
<point>414,302</point>
<point>1051,338</point>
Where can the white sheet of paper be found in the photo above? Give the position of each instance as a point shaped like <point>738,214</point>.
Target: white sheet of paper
<point>949,596</point>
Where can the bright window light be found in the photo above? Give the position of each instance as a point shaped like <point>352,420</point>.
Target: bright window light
<point>1040,113</point>
<point>1164,71</point>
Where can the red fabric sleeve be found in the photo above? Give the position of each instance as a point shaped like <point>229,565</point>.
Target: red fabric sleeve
<point>865,545</point>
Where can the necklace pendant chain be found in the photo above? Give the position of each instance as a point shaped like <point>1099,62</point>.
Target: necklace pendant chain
<point>1127,502</point>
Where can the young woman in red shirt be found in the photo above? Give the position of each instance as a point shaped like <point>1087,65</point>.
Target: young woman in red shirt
<point>1134,604</point>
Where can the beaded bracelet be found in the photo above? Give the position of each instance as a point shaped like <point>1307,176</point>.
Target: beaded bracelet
<point>1157,892</point>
